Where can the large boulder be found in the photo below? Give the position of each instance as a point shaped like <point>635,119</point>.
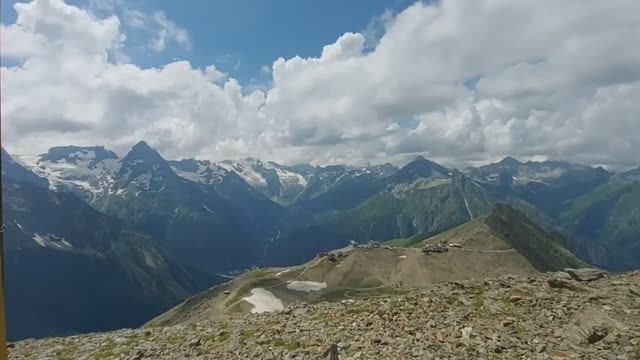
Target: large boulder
<point>586,274</point>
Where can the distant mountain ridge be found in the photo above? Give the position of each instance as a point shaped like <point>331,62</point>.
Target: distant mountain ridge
<point>306,194</point>
<point>310,196</point>
<point>73,153</point>
<point>549,185</point>
<point>64,166</point>
<point>209,218</point>
<point>70,268</point>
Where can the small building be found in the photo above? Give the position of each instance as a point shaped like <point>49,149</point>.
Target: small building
<point>435,248</point>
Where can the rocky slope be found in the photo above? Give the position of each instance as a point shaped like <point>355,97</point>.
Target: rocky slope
<point>420,198</point>
<point>582,315</point>
<point>504,242</point>
<point>605,223</point>
<point>70,268</point>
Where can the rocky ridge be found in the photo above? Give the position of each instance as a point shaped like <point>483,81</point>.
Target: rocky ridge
<point>574,314</point>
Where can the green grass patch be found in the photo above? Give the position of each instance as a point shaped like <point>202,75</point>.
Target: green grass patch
<point>107,350</point>
<point>369,283</point>
<point>478,299</point>
<point>451,300</point>
<point>68,353</point>
<point>247,334</point>
<point>357,311</point>
<point>290,346</point>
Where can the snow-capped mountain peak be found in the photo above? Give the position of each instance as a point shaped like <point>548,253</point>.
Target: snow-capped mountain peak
<point>85,171</point>
<point>512,171</point>
<point>145,169</point>
<point>278,182</point>
<point>201,171</point>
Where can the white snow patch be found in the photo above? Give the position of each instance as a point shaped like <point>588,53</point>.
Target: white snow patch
<point>143,181</point>
<point>111,165</point>
<point>206,208</point>
<point>545,175</point>
<point>46,241</point>
<point>40,240</point>
<point>83,173</point>
<point>306,286</point>
<point>244,169</point>
<point>263,300</point>
<point>468,210</point>
<point>283,272</point>
<point>86,155</point>
<point>207,173</point>
<point>289,177</point>
<point>191,176</point>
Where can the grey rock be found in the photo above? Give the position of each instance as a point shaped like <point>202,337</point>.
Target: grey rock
<point>599,320</point>
<point>564,284</point>
<point>586,274</point>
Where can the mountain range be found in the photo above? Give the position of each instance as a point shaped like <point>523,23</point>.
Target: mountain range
<point>165,229</point>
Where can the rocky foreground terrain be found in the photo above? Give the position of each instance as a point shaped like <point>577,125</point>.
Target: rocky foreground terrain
<point>583,314</point>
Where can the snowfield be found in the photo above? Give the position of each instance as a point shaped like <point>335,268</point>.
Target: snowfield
<point>83,173</point>
<point>245,169</point>
<point>45,241</point>
<point>207,173</point>
<point>263,300</point>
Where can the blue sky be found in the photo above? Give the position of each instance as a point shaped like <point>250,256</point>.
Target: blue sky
<point>239,37</point>
<point>249,34</point>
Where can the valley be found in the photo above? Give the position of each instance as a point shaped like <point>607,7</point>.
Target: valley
<point>505,241</point>
<point>215,221</point>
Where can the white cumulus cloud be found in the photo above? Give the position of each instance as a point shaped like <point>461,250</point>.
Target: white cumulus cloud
<point>455,80</point>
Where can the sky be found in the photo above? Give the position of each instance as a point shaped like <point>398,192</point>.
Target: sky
<point>456,81</point>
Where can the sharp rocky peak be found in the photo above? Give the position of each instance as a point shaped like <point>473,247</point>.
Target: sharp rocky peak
<point>420,168</point>
<point>422,164</point>
<point>142,158</point>
<point>510,161</point>
<point>142,151</point>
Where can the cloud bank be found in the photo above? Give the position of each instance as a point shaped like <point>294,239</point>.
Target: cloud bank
<point>456,81</point>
